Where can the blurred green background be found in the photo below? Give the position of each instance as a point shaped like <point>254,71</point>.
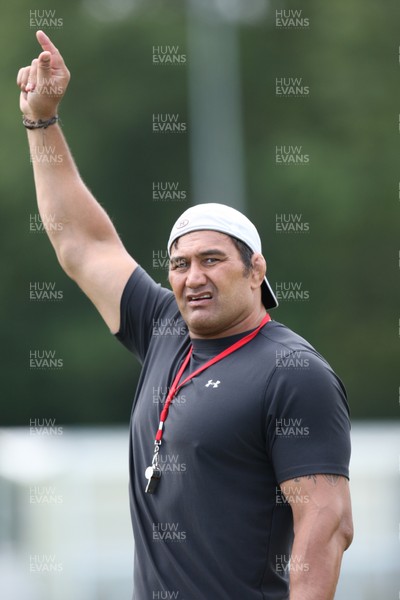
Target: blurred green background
<point>347,194</point>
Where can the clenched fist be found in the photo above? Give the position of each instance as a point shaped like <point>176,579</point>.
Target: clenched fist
<point>44,82</point>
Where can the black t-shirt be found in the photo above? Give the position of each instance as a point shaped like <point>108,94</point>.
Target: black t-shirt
<point>218,527</point>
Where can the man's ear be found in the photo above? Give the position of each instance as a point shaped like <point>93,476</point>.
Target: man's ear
<point>259,268</point>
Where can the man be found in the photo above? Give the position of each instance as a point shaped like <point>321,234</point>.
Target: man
<point>239,444</point>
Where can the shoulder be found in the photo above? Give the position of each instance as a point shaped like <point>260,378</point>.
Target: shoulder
<point>140,283</point>
<point>297,364</point>
<point>289,347</point>
<point>280,335</point>
<point>144,299</point>
<point>148,313</point>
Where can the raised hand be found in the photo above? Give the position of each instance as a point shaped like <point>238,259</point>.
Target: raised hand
<point>44,82</point>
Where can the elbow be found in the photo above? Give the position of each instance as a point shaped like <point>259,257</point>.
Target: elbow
<point>69,258</point>
<point>341,526</point>
<point>336,527</point>
<point>346,531</point>
<point>342,522</point>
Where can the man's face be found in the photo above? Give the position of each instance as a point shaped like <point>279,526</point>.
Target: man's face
<point>214,294</point>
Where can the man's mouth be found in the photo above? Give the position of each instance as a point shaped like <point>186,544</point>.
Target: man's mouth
<point>198,298</point>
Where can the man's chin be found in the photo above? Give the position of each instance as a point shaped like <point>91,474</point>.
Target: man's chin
<point>201,322</point>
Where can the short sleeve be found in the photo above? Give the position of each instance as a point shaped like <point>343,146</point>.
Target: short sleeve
<point>308,426</point>
<point>143,304</point>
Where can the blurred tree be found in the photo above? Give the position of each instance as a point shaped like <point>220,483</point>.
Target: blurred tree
<point>347,124</point>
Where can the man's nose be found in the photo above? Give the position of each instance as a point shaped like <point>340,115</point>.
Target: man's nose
<point>195,276</point>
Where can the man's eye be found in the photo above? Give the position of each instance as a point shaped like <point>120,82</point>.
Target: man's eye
<point>210,261</point>
<point>179,264</point>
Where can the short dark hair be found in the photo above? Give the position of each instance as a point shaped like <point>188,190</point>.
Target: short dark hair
<point>245,254</point>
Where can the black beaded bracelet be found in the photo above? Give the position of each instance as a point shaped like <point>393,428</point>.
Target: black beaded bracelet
<point>39,124</point>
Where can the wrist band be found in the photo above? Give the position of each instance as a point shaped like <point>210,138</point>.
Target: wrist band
<point>39,124</point>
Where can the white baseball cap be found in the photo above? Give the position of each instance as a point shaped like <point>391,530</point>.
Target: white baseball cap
<point>219,217</point>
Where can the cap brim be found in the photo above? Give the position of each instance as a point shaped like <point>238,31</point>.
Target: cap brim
<point>267,295</point>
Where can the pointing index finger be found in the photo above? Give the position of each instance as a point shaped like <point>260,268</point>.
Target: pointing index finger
<point>46,42</point>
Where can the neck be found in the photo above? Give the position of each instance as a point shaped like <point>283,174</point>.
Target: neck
<point>245,324</point>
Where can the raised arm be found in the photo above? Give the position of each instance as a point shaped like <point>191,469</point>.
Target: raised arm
<point>85,240</point>
<point>323,530</point>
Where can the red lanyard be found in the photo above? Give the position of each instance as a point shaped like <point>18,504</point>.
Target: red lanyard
<point>176,386</point>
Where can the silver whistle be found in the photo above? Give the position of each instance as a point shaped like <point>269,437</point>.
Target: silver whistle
<point>153,474</point>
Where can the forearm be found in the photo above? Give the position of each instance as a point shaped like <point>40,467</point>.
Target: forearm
<point>315,561</point>
<point>70,214</point>
<point>75,222</point>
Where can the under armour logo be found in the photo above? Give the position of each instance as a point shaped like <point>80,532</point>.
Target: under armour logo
<point>215,384</point>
